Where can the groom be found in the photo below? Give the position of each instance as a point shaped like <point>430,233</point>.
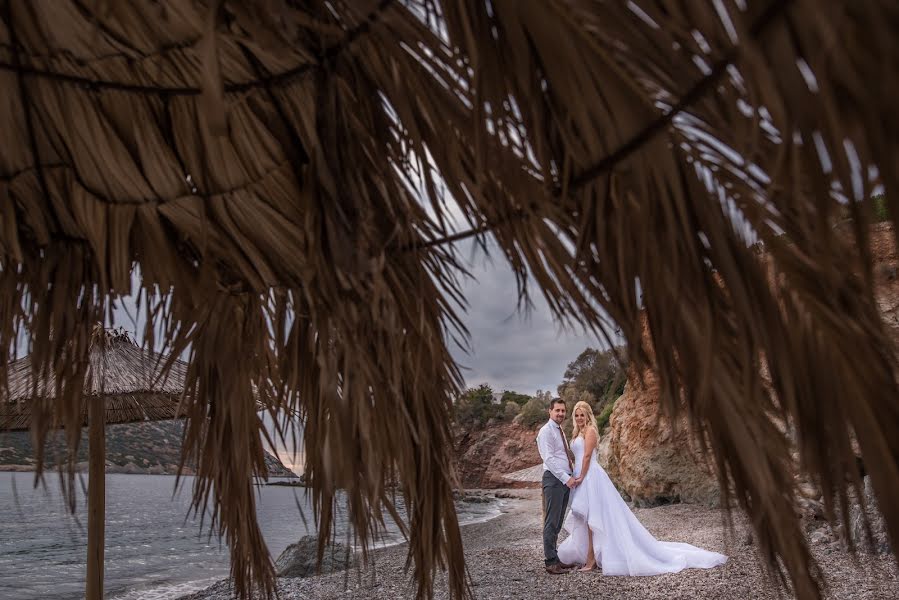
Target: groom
<point>557,482</point>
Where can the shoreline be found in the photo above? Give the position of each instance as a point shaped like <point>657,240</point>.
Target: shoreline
<point>505,558</point>
<point>505,502</point>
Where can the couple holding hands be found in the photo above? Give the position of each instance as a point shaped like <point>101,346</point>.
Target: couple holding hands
<point>603,532</point>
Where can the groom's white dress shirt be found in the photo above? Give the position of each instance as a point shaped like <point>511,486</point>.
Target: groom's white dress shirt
<point>551,446</point>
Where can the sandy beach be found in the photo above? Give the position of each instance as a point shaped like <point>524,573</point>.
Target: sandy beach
<point>505,559</point>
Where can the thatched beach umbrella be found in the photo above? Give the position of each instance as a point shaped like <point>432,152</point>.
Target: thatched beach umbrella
<point>280,173</point>
<point>124,384</point>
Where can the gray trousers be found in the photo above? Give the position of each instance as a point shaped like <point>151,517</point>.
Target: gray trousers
<point>555,501</point>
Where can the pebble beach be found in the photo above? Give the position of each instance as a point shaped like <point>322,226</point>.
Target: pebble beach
<point>505,559</point>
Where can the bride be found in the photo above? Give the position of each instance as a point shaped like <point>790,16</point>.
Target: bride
<point>603,529</point>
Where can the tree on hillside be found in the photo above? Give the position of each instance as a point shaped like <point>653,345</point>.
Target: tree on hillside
<point>476,407</point>
<point>544,397</point>
<point>596,372</point>
<point>519,399</point>
<point>571,394</point>
<point>533,413</point>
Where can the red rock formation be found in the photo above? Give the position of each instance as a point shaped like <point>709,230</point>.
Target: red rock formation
<point>483,456</point>
<point>647,458</point>
<point>654,463</point>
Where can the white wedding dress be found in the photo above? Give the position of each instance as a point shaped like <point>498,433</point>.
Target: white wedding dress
<point>621,545</point>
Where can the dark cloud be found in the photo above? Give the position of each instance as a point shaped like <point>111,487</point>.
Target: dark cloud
<point>522,350</point>
<point>511,349</point>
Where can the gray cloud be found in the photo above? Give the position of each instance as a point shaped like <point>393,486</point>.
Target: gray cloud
<point>510,349</point>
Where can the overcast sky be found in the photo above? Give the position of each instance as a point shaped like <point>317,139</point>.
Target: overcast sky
<point>511,350</point>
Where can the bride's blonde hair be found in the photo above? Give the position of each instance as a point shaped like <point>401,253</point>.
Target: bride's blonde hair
<point>591,420</point>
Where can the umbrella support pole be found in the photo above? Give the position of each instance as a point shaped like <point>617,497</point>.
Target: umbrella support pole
<point>96,498</point>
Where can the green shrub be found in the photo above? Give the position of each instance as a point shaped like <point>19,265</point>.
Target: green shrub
<point>534,412</point>
<point>511,410</point>
<point>602,420</point>
<point>615,387</point>
<point>519,399</point>
<point>476,407</point>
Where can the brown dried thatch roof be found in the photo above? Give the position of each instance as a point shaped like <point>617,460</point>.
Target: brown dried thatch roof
<point>137,385</point>
<point>278,171</point>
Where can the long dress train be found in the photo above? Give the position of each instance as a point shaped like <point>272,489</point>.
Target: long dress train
<point>621,545</point>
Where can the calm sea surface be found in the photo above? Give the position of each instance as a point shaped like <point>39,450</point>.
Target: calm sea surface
<point>152,551</point>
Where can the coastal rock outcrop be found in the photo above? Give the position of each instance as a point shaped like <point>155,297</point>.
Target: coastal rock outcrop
<point>834,537</point>
<point>655,463</point>
<point>301,559</point>
<point>648,459</point>
<point>483,456</point>
<point>886,276</point>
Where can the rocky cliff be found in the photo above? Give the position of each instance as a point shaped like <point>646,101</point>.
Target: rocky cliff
<point>152,448</point>
<point>648,459</point>
<point>655,463</point>
<point>484,455</point>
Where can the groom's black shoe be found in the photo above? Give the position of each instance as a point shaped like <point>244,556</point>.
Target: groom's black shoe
<point>556,569</point>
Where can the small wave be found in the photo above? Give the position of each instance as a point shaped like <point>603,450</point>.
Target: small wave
<point>168,591</point>
<point>177,590</point>
<point>495,509</point>
<point>492,510</point>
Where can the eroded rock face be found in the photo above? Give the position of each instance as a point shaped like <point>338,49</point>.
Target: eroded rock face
<point>654,464</point>
<point>483,456</point>
<point>649,460</point>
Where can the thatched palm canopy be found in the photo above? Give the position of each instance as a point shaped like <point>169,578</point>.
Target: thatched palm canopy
<point>136,384</point>
<point>280,171</point>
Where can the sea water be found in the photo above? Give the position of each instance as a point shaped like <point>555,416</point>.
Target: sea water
<point>154,549</point>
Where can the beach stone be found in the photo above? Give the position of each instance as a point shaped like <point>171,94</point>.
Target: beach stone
<point>300,559</point>
<point>821,536</point>
<point>811,509</point>
<point>477,498</point>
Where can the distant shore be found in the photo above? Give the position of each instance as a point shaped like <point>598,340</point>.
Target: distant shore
<point>130,470</point>
<point>505,559</point>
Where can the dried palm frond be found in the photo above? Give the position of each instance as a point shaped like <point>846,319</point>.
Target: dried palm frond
<point>280,173</point>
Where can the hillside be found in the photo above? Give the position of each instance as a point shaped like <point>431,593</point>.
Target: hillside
<point>152,447</point>
<point>484,455</point>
